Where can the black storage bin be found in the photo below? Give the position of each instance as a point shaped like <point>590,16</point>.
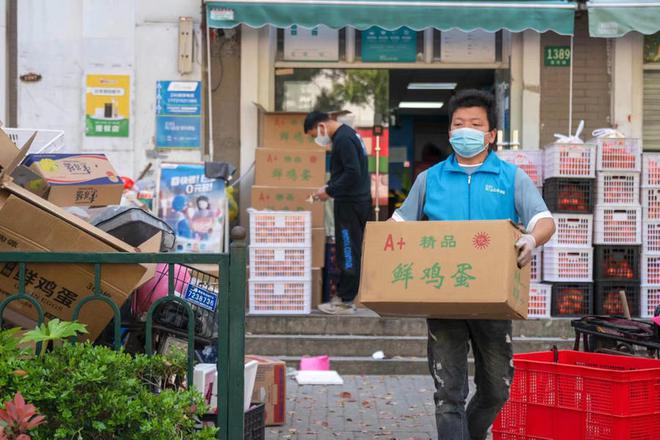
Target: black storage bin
<point>254,426</point>
<point>572,299</point>
<point>608,301</point>
<point>254,422</point>
<point>617,263</point>
<point>563,195</point>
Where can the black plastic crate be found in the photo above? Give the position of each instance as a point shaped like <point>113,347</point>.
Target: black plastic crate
<point>254,425</point>
<point>254,422</point>
<point>572,299</point>
<point>569,195</point>
<point>608,301</point>
<point>617,263</point>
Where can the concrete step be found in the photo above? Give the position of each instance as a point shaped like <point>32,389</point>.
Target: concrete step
<point>365,346</point>
<point>366,322</point>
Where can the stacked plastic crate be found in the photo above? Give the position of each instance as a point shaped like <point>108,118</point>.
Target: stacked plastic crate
<point>650,295</point>
<point>568,189</point>
<point>618,225</point>
<point>280,273</point>
<point>531,162</point>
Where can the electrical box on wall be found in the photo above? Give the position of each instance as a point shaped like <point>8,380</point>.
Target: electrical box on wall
<point>185,44</point>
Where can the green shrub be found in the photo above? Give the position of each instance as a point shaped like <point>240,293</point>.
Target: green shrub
<point>93,392</point>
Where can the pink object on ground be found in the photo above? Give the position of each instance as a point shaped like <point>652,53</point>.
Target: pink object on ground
<point>656,320</point>
<point>156,288</point>
<point>317,363</point>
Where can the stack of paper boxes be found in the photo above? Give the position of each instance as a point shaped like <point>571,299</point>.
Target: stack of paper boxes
<point>618,225</point>
<point>290,167</point>
<point>569,171</point>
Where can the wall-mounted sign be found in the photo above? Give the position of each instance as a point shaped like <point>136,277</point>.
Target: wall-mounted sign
<point>381,46</point>
<point>107,105</point>
<point>467,47</point>
<point>557,56</point>
<point>318,44</point>
<point>178,114</point>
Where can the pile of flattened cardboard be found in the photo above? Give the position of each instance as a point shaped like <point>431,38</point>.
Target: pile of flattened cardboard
<point>31,222</point>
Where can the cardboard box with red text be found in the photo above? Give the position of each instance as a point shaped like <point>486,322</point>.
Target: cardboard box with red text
<point>270,388</point>
<point>290,168</point>
<point>461,270</point>
<point>289,199</point>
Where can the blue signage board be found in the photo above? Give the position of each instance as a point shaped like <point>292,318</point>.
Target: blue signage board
<point>381,46</point>
<point>178,114</point>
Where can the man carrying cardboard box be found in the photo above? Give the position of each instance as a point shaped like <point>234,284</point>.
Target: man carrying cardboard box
<point>473,184</point>
<point>350,187</point>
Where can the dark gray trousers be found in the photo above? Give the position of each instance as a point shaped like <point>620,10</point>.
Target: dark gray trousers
<point>448,362</point>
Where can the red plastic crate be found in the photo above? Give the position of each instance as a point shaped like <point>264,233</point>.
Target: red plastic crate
<point>582,396</point>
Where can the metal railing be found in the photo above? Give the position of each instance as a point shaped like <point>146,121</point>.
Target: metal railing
<point>230,317</point>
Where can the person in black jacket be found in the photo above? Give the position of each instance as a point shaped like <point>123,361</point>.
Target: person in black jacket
<point>350,187</point>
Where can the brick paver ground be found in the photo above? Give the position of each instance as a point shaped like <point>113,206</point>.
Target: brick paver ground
<point>365,407</point>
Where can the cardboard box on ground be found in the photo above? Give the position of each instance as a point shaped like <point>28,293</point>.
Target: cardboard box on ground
<point>458,269</point>
<point>31,224</point>
<point>270,388</point>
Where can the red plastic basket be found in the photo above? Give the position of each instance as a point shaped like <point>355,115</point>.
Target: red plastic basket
<point>582,396</point>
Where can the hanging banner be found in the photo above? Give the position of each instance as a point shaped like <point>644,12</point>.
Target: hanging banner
<point>193,205</point>
<point>178,114</point>
<point>107,105</point>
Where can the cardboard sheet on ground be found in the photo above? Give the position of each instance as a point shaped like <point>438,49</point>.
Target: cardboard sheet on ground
<point>319,378</point>
<point>461,269</point>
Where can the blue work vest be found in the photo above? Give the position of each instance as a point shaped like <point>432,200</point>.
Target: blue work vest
<point>487,194</point>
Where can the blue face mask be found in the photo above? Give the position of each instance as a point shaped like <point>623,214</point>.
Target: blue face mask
<point>467,142</point>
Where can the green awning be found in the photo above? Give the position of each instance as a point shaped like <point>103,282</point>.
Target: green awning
<point>615,18</point>
<point>466,15</point>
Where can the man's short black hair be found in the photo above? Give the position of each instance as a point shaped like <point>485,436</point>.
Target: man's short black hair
<point>474,98</point>
<point>313,119</point>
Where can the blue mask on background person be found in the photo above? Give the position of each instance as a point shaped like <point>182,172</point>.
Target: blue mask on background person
<point>467,142</point>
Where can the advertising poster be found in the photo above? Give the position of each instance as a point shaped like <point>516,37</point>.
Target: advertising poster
<point>178,114</point>
<point>194,206</point>
<point>107,105</point>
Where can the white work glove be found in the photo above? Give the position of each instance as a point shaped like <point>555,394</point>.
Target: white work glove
<point>525,245</point>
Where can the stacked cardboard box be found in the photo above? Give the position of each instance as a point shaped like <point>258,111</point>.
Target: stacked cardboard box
<point>290,167</point>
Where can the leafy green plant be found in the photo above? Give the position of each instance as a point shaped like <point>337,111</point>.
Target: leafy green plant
<point>87,391</point>
<point>54,330</point>
<point>18,418</point>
